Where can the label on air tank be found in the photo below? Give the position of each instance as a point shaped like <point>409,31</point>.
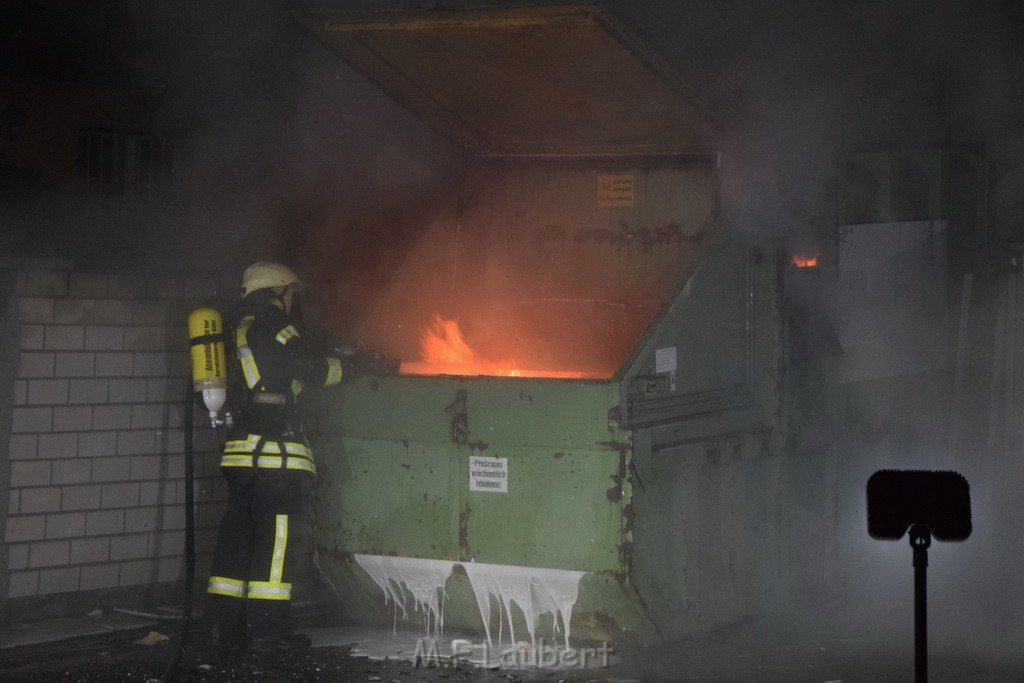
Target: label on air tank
<point>488,474</point>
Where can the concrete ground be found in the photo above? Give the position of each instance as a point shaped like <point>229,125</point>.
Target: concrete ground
<point>134,646</point>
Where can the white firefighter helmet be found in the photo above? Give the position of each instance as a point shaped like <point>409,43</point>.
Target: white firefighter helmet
<point>268,275</point>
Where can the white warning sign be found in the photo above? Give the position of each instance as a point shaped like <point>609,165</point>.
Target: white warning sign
<point>665,359</point>
<point>488,474</point>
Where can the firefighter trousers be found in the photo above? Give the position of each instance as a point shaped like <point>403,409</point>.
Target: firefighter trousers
<point>263,545</point>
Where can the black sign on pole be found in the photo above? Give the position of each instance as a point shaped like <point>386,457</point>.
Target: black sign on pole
<point>925,504</point>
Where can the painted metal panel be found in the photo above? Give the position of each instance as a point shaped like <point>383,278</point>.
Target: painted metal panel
<point>565,464</point>
<point>385,497</point>
<point>567,504</point>
<point>707,547</point>
<point>527,80</point>
<point>563,510</point>
<point>715,352</point>
<point>560,414</point>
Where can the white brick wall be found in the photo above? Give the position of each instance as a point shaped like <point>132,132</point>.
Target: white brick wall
<point>97,439</point>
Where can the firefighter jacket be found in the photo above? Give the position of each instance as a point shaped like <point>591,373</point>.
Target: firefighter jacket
<point>274,360</point>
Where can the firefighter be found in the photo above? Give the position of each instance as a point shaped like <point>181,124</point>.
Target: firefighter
<point>264,537</point>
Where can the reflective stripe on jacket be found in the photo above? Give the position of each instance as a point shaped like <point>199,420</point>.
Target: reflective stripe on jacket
<point>267,454</point>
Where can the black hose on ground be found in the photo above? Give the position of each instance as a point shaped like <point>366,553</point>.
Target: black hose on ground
<point>190,549</point>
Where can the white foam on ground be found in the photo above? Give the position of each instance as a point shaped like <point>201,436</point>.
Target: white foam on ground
<point>535,590</point>
<point>424,581</point>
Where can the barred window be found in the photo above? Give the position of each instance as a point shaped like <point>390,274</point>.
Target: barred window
<point>124,163</point>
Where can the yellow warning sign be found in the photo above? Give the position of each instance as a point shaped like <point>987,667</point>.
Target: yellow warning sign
<point>615,190</point>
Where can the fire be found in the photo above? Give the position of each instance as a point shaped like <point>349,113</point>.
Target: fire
<point>445,352</point>
<point>803,260</point>
<point>442,344</point>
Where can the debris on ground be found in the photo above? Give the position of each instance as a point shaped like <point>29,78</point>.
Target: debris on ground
<point>152,638</point>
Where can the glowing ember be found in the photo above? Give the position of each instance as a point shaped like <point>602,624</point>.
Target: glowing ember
<point>805,260</point>
<point>446,352</point>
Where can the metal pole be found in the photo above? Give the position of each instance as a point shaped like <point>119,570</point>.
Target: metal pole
<point>920,539</point>
<point>171,673</point>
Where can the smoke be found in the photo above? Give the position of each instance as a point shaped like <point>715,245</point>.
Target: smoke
<point>281,151</point>
<point>797,85</point>
<point>279,133</point>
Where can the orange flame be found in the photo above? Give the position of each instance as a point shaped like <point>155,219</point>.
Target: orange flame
<point>442,344</point>
<point>446,352</point>
<point>802,260</point>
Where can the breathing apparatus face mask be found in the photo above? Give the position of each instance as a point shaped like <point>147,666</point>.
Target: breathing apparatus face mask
<point>285,298</point>
<point>290,301</point>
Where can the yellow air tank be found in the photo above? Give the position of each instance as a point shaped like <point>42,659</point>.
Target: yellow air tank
<point>209,362</point>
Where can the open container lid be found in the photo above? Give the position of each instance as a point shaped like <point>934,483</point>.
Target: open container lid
<point>562,79</point>
<point>557,268</point>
